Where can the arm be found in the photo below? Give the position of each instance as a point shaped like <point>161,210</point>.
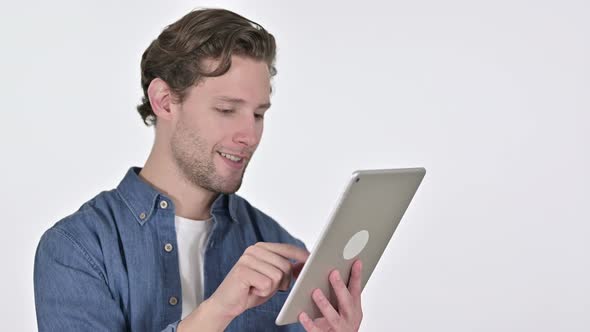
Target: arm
<point>70,291</point>
<point>261,271</point>
<point>204,318</point>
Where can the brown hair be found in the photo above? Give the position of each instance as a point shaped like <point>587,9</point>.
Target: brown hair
<point>176,55</point>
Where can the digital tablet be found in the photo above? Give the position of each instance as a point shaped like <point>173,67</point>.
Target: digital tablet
<point>361,225</point>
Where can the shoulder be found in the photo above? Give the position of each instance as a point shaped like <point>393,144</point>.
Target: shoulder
<point>271,230</point>
<point>95,216</point>
<point>87,230</point>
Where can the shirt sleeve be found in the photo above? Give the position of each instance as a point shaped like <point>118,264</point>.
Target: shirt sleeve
<point>71,292</point>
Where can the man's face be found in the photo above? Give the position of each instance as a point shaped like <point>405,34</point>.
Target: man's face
<point>219,125</point>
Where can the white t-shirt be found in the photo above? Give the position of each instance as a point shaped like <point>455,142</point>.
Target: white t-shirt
<point>191,238</point>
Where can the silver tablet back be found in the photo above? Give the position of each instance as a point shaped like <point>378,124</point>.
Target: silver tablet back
<point>360,226</point>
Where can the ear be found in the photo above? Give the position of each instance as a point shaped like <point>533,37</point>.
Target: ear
<point>160,97</point>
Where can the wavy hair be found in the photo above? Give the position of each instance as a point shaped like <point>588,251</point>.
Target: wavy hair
<point>177,55</point>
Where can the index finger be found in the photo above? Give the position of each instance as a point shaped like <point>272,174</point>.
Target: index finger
<point>286,250</point>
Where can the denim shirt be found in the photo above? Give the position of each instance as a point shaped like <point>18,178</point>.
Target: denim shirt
<point>112,265</point>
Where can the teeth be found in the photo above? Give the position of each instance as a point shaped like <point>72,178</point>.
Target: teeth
<point>230,157</point>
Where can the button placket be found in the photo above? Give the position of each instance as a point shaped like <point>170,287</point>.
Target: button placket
<point>163,216</point>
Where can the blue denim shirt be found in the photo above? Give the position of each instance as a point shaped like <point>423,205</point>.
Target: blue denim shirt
<point>104,268</point>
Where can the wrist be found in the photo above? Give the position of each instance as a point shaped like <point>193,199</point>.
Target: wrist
<point>206,317</point>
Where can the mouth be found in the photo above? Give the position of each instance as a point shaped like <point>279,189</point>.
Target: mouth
<point>234,161</point>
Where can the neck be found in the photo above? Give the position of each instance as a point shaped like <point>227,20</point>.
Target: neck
<point>191,201</point>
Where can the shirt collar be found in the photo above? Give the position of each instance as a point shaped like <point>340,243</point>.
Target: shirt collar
<point>226,203</point>
<point>142,199</point>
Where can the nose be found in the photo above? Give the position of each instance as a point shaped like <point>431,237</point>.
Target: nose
<point>247,135</point>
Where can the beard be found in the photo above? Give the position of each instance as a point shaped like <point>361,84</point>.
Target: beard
<point>195,162</point>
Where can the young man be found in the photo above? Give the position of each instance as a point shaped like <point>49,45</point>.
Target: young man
<point>172,247</point>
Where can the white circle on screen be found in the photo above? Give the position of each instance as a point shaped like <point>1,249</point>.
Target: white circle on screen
<point>356,244</point>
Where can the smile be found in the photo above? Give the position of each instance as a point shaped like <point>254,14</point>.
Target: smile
<point>230,157</point>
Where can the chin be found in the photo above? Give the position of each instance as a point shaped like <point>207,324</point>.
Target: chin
<point>227,183</point>
<point>229,189</point>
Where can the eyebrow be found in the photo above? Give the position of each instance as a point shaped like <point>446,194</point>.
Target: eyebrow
<point>240,101</point>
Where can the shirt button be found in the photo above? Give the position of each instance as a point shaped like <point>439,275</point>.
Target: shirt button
<point>173,300</point>
<point>142,216</point>
<point>163,204</point>
<point>168,247</point>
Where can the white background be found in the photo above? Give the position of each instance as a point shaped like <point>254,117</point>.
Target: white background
<point>491,97</point>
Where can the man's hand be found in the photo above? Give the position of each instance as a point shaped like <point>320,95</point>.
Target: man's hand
<point>263,269</point>
<point>349,315</point>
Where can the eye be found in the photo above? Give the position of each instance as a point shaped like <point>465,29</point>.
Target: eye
<point>224,111</point>
<point>259,116</point>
